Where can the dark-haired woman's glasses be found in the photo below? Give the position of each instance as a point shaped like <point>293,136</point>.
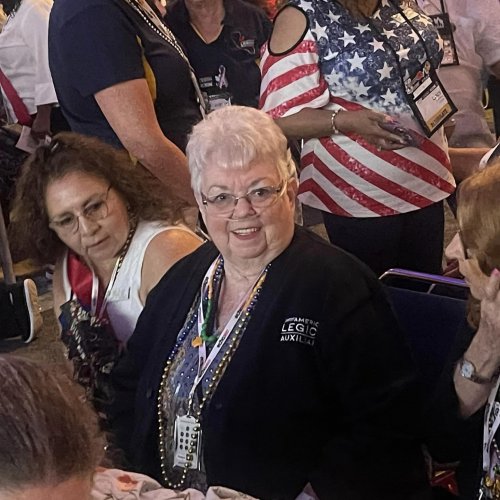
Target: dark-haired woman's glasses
<point>94,210</point>
<point>223,204</point>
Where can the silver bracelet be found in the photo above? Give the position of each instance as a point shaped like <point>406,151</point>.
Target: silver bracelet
<point>333,117</point>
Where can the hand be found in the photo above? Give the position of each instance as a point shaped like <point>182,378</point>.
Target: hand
<point>366,124</point>
<point>40,127</point>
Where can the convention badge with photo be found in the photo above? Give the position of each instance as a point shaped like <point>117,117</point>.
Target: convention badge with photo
<point>428,99</point>
<point>445,28</point>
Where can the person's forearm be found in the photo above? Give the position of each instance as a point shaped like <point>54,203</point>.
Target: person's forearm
<point>471,395</point>
<point>465,161</point>
<point>138,129</point>
<point>166,162</point>
<point>306,124</point>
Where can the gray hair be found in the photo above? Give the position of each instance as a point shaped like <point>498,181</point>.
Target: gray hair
<point>48,434</point>
<point>233,137</point>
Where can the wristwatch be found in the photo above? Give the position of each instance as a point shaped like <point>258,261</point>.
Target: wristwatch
<point>468,371</point>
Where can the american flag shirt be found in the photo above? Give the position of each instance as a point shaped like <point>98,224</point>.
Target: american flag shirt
<point>343,63</point>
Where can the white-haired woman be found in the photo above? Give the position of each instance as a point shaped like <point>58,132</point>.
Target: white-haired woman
<point>266,359</point>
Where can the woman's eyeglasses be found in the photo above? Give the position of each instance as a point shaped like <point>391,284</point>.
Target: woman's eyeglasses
<point>223,204</point>
<point>95,210</point>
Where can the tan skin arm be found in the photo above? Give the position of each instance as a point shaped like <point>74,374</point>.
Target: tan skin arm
<point>129,110</point>
<point>483,352</point>
<point>465,161</point>
<point>162,253</point>
<point>288,29</point>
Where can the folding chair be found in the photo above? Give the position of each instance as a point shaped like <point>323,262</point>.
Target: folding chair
<point>430,309</point>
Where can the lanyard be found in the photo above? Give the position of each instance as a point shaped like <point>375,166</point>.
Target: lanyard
<point>95,280</point>
<point>490,427</point>
<point>95,290</point>
<point>159,27</point>
<point>204,362</point>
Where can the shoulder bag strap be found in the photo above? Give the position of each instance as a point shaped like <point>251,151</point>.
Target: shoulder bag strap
<point>20,109</point>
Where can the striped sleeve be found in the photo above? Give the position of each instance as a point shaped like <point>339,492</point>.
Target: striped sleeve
<point>292,81</point>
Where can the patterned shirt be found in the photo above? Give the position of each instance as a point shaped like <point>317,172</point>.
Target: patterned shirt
<point>343,63</point>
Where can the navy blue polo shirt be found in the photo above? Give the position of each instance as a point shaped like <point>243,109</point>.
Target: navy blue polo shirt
<point>227,67</point>
<point>95,44</point>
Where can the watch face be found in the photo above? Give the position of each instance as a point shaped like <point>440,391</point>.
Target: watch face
<point>467,370</point>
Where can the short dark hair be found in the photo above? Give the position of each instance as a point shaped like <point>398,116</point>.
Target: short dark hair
<point>48,434</point>
<point>145,196</point>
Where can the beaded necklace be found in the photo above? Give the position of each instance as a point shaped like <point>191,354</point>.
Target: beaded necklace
<point>240,327</point>
<point>213,286</point>
<point>95,281</point>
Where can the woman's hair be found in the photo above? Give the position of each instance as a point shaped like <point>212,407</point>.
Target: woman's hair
<point>143,194</point>
<point>479,221</point>
<point>233,137</point>
<point>48,434</point>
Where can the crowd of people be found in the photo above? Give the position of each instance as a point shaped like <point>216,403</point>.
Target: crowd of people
<point>243,356</point>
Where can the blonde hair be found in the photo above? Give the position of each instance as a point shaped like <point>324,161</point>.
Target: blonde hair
<point>479,221</point>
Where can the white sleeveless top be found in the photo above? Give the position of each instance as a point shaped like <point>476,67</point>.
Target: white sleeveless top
<point>124,304</point>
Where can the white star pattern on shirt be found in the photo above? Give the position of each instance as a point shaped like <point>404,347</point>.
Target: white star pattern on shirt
<point>403,54</point>
<point>333,79</point>
<point>320,32</point>
<point>356,62</point>
<point>413,35</point>
<point>359,59</point>
<point>385,72</point>
<point>363,89</point>
<point>377,45</point>
<point>389,97</point>
<point>362,28</point>
<point>347,39</point>
<point>330,55</point>
<point>333,17</point>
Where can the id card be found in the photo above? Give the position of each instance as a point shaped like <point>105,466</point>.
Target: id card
<point>187,442</point>
<point>428,99</point>
<point>445,28</point>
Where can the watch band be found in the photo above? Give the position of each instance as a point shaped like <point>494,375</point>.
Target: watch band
<point>468,371</point>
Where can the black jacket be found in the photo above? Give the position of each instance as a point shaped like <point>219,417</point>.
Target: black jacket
<point>335,407</point>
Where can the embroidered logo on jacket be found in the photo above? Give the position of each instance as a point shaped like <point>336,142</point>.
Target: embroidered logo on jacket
<point>301,330</point>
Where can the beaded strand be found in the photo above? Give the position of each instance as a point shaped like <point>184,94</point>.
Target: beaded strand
<point>217,375</point>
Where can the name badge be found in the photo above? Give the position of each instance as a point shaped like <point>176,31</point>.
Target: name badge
<point>428,99</point>
<point>218,100</point>
<point>187,442</point>
<point>445,28</point>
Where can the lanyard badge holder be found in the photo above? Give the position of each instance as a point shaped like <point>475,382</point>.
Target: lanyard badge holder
<point>428,99</point>
<point>424,92</point>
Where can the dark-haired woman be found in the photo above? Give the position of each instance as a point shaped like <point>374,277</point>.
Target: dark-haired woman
<point>112,235</point>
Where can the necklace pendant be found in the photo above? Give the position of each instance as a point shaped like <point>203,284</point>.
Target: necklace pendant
<point>197,341</point>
